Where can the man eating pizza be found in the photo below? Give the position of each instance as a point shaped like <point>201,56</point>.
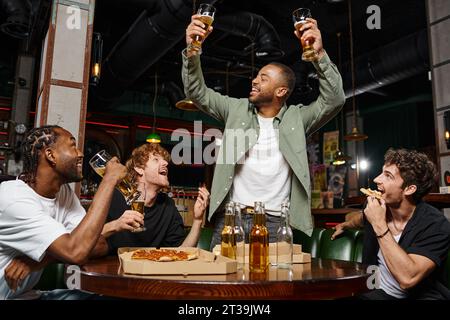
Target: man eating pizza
<point>408,243</point>
<point>164,226</point>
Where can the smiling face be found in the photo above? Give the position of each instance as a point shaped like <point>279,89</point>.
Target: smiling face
<point>267,86</point>
<point>155,171</point>
<point>148,163</point>
<point>68,159</point>
<point>390,184</point>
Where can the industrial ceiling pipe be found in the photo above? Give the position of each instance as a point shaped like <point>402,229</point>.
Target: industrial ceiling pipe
<point>147,40</point>
<point>254,27</point>
<point>17,18</point>
<point>391,63</point>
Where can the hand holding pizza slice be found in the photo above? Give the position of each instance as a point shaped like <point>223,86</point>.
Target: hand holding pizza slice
<point>371,193</point>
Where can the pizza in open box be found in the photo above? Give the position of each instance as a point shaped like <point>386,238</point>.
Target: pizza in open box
<point>163,255</point>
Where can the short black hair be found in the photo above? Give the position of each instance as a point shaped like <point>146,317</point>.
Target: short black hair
<point>36,140</point>
<point>287,74</point>
<point>415,169</point>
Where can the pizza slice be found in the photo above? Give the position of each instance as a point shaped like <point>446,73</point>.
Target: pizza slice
<point>140,254</point>
<point>371,193</point>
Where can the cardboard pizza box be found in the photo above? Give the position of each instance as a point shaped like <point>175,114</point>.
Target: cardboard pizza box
<point>206,263</point>
<point>298,255</point>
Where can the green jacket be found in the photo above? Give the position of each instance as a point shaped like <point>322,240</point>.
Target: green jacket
<point>294,123</point>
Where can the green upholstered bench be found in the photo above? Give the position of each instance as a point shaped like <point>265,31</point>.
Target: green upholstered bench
<point>341,248</point>
<point>357,254</point>
<point>348,246</point>
<point>204,242</point>
<point>52,277</point>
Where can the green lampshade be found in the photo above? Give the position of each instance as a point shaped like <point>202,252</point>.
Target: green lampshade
<point>153,138</point>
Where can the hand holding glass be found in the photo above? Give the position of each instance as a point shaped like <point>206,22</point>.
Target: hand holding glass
<point>98,163</point>
<point>137,204</point>
<point>206,12</point>
<point>299,17</point>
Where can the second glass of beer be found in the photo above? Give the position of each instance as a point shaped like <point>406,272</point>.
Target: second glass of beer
<point>98,163</point>
<point>138,204</point>
<point>299,17</point>
<point>206,12</point>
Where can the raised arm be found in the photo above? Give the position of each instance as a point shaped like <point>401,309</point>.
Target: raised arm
<point>200,206</point>
<point>207,100</point>
<point>331,97</point>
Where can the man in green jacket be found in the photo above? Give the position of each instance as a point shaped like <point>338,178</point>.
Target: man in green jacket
<point>263,152</point>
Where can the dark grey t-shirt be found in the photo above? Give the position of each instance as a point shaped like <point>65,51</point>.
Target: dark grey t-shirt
<point>163,223</point>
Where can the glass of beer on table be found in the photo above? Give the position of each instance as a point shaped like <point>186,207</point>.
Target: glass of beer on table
<point>299,17</point>
<point>98,163</point>
<point>206,12</point>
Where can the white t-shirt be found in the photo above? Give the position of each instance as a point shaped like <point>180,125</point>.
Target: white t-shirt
<point>265,174</point>
<point>387,281</point>
<point>29,223</point>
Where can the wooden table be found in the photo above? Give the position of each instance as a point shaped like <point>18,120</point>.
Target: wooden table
<point>320,279</point>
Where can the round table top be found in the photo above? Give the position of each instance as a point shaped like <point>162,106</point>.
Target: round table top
<point>320,279</point>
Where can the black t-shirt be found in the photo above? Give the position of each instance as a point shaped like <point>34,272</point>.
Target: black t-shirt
<point>164,225</point>
<point>427,233</point>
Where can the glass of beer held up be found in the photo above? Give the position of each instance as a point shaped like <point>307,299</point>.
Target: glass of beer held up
<point>299,17</point>
<point>98,163</point>
<point>137,204</point>
<point>206,12</point>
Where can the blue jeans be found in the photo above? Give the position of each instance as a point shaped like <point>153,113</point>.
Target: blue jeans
<point>67,294</point>
<point>272,224</point>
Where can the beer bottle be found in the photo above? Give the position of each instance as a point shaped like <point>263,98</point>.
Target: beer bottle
<point>259,241</point>
<point>285,246</point>
<point>239,235</point>
<point>228,243</point>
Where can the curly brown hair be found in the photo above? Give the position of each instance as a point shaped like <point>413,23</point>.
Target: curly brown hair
<point>140,156</point>
<point>415,169</point>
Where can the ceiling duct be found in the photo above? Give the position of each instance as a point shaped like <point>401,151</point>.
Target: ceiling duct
<point>254,27</point>
<point>147,40</point>
<point>391,63</point>
<point>17,18</point>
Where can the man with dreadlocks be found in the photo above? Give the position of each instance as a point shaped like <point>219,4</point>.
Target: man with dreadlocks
<point>41,219</point>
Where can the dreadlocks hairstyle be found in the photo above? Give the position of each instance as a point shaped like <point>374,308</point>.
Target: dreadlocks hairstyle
<point>37,140</point>
<point>140,156</point>
<point>415,169</point>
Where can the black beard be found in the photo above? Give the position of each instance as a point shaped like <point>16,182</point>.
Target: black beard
<point>71,174</point>
<point>73,177</point>
<point>260,100</point>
